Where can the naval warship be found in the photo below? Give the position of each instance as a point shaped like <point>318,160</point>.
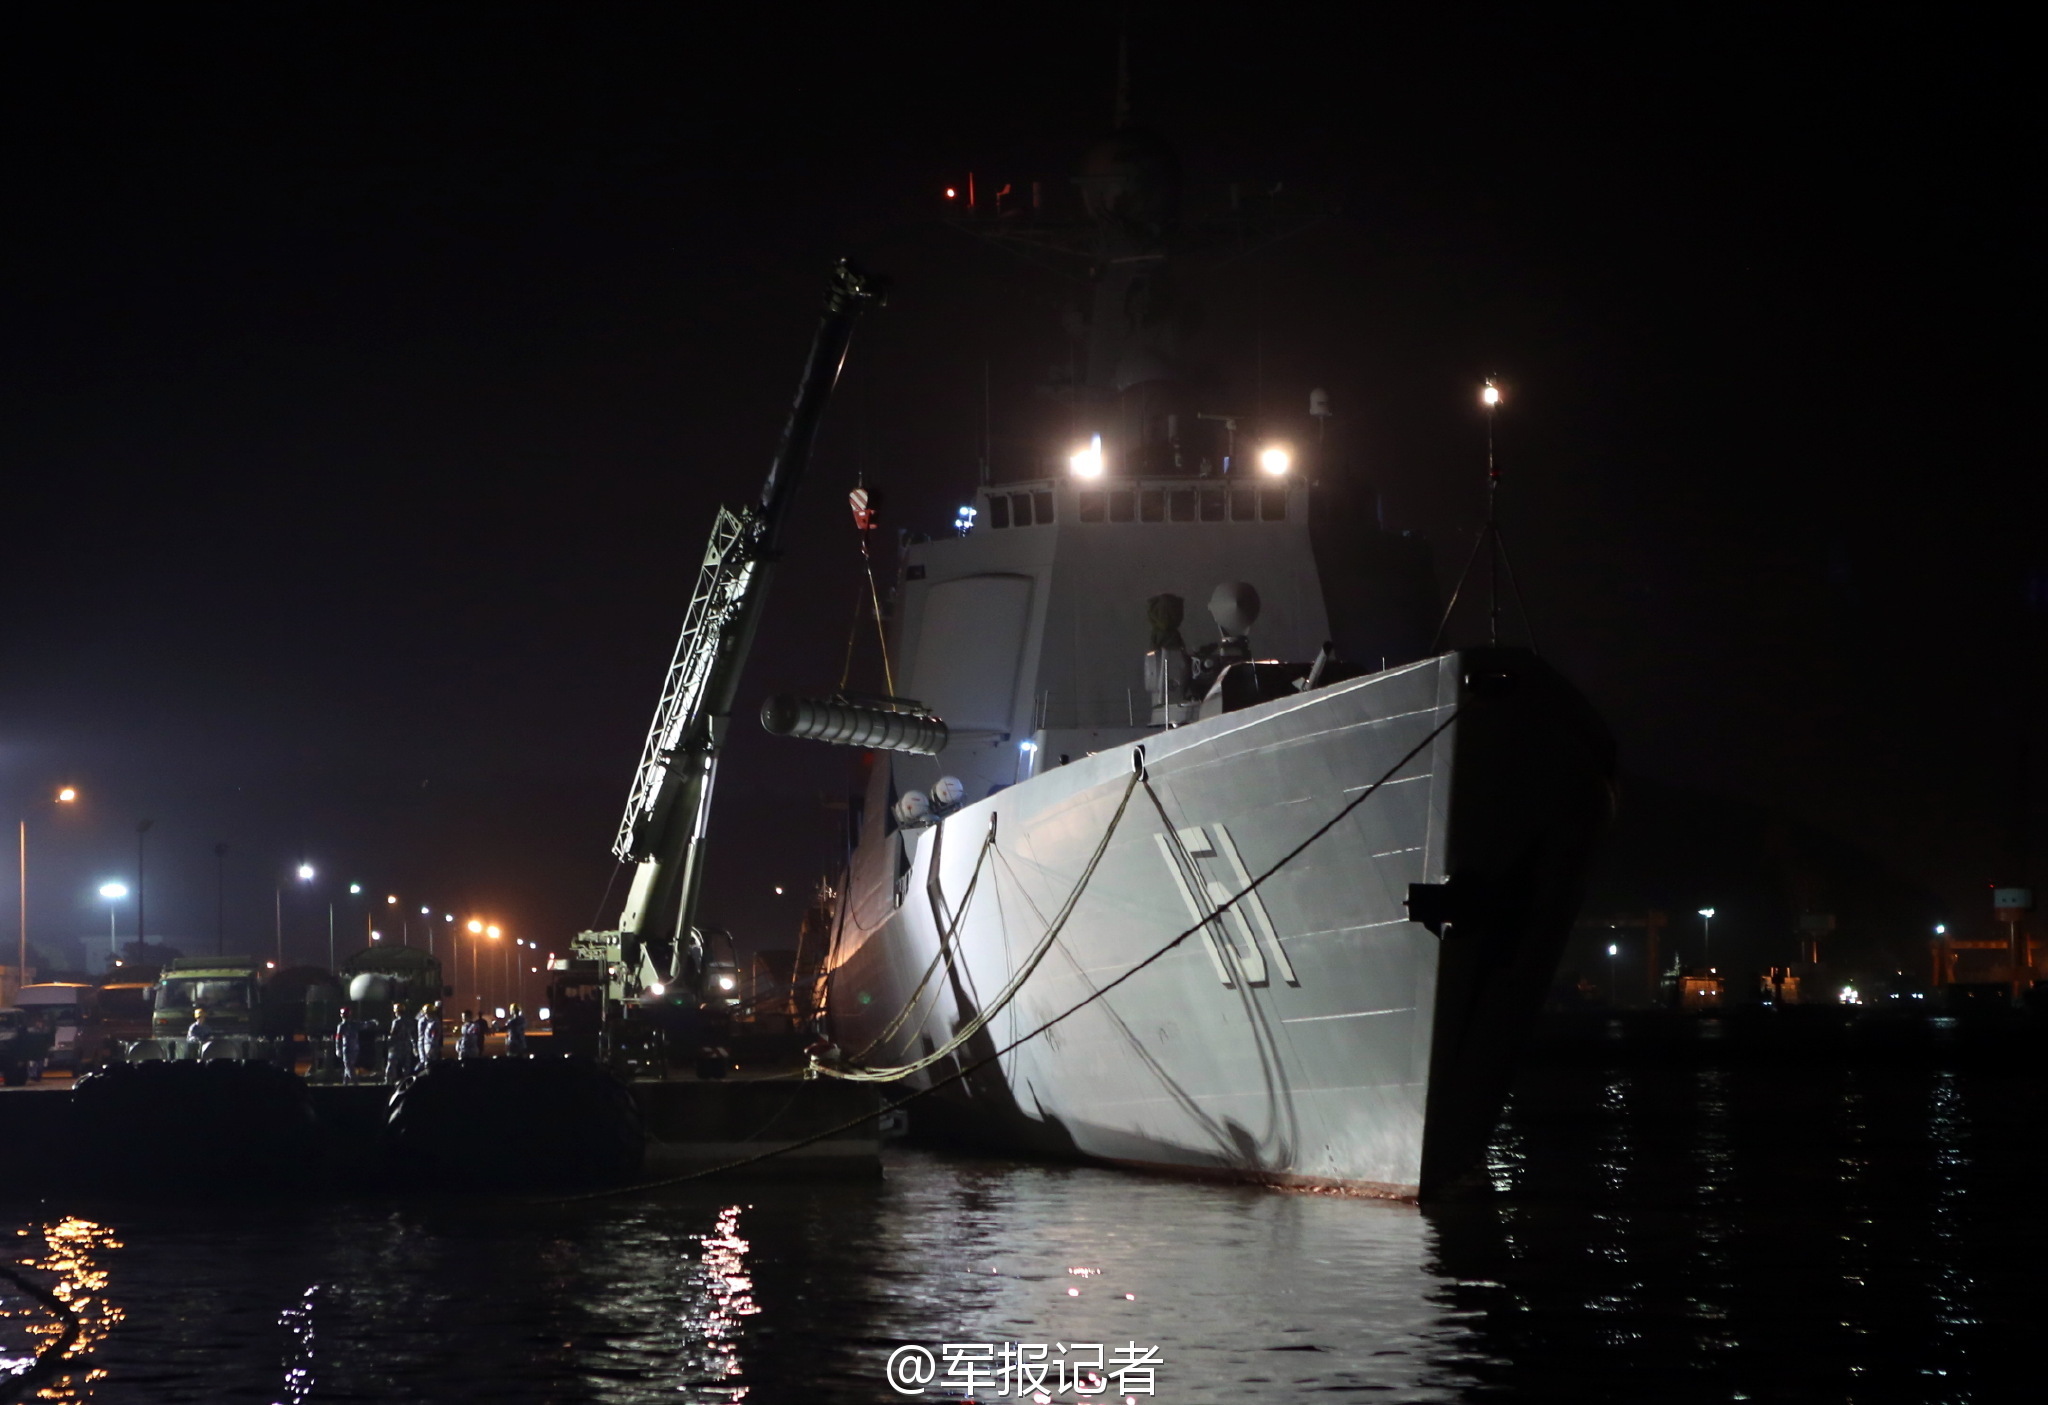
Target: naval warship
<point>1251,896</point>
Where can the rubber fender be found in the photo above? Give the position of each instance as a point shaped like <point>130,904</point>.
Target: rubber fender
<point>544,1120</point>
<point>193,1126</point>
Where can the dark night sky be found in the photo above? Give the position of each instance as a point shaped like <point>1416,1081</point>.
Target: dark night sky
<point>371,373</point>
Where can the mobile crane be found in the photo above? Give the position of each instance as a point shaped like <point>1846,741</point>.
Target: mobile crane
<point>657,945</point>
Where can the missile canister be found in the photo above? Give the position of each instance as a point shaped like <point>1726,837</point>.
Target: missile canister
<point>888,727</point>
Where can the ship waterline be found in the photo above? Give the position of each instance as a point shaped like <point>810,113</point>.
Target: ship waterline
<point>1311,1032</point>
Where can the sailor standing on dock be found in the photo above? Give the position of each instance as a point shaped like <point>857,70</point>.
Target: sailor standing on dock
<point>515,1034</point>
<point>398,1054</point>
<point>470,1042</point>
<point>348,1044</point>
<point>429,1034</point>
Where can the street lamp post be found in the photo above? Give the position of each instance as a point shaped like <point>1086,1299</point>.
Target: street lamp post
<point>497,934</point>
<point>1489,396</point>
<point>66,796</point>
<point>113,893</point>
<point>141,838</point>
<point>1707,935</point>
<point>220,899</point>
<point>305,873</point>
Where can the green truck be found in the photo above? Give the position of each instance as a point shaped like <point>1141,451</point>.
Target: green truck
<point>230,990</point>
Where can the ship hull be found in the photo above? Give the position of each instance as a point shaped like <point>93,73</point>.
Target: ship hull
<point>1317,1033</point>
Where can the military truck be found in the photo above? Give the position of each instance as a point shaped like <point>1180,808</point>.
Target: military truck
<point>377,978</point>
<point>23,1045</point>
<point>71,1011</point>
<point>230,989</point>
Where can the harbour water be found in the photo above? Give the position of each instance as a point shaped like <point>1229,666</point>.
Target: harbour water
<point>1669,1230</point>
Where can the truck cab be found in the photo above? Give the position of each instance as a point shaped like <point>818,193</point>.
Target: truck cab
<point>229,989</point>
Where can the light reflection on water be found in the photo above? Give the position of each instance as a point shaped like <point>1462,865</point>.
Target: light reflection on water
<point>72,1266</point>
<point>1668,1234</point>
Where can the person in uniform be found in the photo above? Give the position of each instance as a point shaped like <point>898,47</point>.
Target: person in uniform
<point>470,1043</point>
<point>429,1034</point>
<point>399,1056</point>
<point>515,1034</point>
<point>348,1044</point>
<point>199,1031</point>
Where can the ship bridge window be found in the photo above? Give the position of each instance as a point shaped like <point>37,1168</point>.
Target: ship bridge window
<point>1180,504</point>
<point>1020,506</point>
<point>1244,505</point>
<point>1121,505</point>
<point>1042,500</point>
<point>1212,504</point>
<point>998,510</point>
<point>1272,504</point>
<point>1094,506</point>
<point>1152,505</point>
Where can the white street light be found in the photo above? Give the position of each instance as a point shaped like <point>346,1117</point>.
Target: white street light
<point>1087,463</point>
<point>1707,934</point>
<point>1489,396</point>
<point>1274,461</point>
<point>305,873</point>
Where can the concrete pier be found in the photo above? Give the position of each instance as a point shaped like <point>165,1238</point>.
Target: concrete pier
<point>745,1127</point>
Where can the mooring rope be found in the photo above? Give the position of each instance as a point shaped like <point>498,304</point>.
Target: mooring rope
<point>1017,979</point>
<point>946,937</point>
<point>50,1358</point>
<point>967,1070</point>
